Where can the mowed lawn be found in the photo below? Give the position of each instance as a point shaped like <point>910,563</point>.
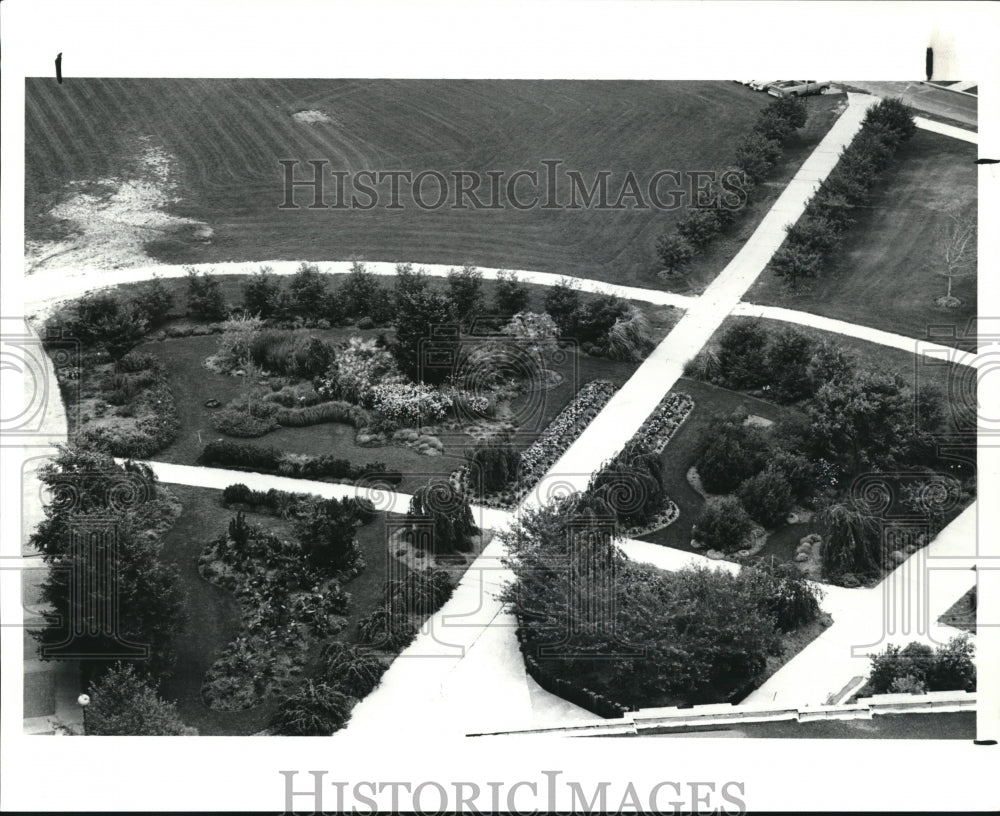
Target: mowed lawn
<point>227,136</point>
<point>884,273</point>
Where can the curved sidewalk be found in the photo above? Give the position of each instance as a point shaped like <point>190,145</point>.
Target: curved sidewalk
<point>46,288</point>
<point>882,338</point>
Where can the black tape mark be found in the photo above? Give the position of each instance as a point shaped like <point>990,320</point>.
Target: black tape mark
<point>987,161</point>
<point>59,68</point>
<point>929,63</point>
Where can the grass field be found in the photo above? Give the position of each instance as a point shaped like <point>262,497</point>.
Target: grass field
<point>823,111</point>
<point>883,273</point>
<point>224,139</point>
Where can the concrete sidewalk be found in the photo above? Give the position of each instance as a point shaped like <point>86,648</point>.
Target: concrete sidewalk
<point>628,409</point>
<point>902,608</point>
<point>877,336</point>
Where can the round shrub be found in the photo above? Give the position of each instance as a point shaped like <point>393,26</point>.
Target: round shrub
<point>767,497</point>
<point>730,454</point>
<point>244,424</point>
<point>315,710</point>
<point>353,671</point>
<point>724,525</point>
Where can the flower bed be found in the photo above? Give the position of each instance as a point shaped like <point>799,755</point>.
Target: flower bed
<point>664,422</point>
<point>667,516</point>
<point>542,454</point>
<point>284,608</point>
<point>125,409</point>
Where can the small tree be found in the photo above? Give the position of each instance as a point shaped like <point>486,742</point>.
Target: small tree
<point>796,263</point>
<point>205,299</point>
<point>631,485</point>
<point>409,281</point>
<point>307,292</point>
<point>124,704</point>
<point>767,497</point>
<point>954,666</point>
<point>512,296</point>
<point>699,226</point>
<point>562,302</point>
<point>123,331</point>
<point>743,354</point>
<point>596,318</point>
<point>452,525</point>
<point>788,365</point>
<point>493,463</point>
<point>674,251</point>
<point>957,250</point>
<point>756,155</point>
<point>830,363</point>
<point>852,541</point>
<point>724,524</point>
<point>362,294</point>
<point>465,293</point>
<point>781,118</point>
<point>894,114</point>
<point>783,592</point>
<point>813,234</point>
<point>420,317</point>
<point>314,710</point>
<point>155,300</point>
<point>262,294</point>
<point>731,452</point>
<point>327,530</point>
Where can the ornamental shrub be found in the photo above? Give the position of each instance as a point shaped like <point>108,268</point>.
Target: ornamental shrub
<point>314,710</point>
<point>409,403</point>
<point>262,294</point>
<point>493,463</point>
<point>205,300</point>
<point>783,592</point>
<point>767,497</point>
<point>723,525</point>
<point>512,296</point>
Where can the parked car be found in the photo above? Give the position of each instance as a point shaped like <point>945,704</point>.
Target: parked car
<point>761,84</point>
<point>796,87</point>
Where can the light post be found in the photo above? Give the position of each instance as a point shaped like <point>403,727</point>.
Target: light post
<point>83,701</point>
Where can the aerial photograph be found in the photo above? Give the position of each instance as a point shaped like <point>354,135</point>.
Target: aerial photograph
<point>486,408</point>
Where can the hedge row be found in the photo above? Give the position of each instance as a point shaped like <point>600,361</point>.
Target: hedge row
<point>335,411</point>
<point>585,698</point>
<point>757,152</point>
<point>886,126</point>
<point>269,459</point>
<point>283,503</point>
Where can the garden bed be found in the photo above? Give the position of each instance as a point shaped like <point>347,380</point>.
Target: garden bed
<point>542,454</point>
<point>123,408</point>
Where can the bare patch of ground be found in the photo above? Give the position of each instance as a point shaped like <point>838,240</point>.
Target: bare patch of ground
<point>105,223</point>
<point>311,116</point>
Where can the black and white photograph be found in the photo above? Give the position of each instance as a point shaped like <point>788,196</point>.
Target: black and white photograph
<point>457,410</point>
